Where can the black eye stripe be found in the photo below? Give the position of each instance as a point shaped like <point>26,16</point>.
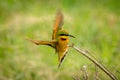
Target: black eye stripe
<point>64,35</point>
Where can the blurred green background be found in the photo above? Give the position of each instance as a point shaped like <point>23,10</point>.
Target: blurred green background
<point>96,25</point>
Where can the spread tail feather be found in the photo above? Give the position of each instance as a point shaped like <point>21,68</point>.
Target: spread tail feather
<point>61,60</point>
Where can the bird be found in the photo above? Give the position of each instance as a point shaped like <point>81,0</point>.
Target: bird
<point>60,38</point>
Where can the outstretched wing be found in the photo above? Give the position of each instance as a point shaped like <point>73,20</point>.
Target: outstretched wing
<point>49,43</point>
<point>58,24</point>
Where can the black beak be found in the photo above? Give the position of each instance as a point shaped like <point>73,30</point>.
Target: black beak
<point>71,35</point>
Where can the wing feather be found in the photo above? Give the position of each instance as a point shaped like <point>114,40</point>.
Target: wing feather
<point>58,24</point>
<point>49,43</point>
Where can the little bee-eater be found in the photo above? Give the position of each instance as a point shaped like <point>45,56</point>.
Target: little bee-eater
<point>60,38</point>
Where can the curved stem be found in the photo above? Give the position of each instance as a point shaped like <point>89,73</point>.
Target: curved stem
<point>102,67</point>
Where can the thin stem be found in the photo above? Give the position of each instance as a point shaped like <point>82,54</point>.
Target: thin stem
<point>102,67</point>
<point>85,72</point>
<point>96,73</point>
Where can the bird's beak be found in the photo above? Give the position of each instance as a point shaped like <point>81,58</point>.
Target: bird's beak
<point>71,35</point>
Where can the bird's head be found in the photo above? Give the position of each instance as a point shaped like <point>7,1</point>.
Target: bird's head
<point>63,35</point>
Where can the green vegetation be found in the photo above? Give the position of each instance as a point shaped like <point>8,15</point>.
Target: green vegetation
<point>96,25</point>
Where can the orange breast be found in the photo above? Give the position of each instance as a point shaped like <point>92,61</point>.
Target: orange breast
<point>62,46</point>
